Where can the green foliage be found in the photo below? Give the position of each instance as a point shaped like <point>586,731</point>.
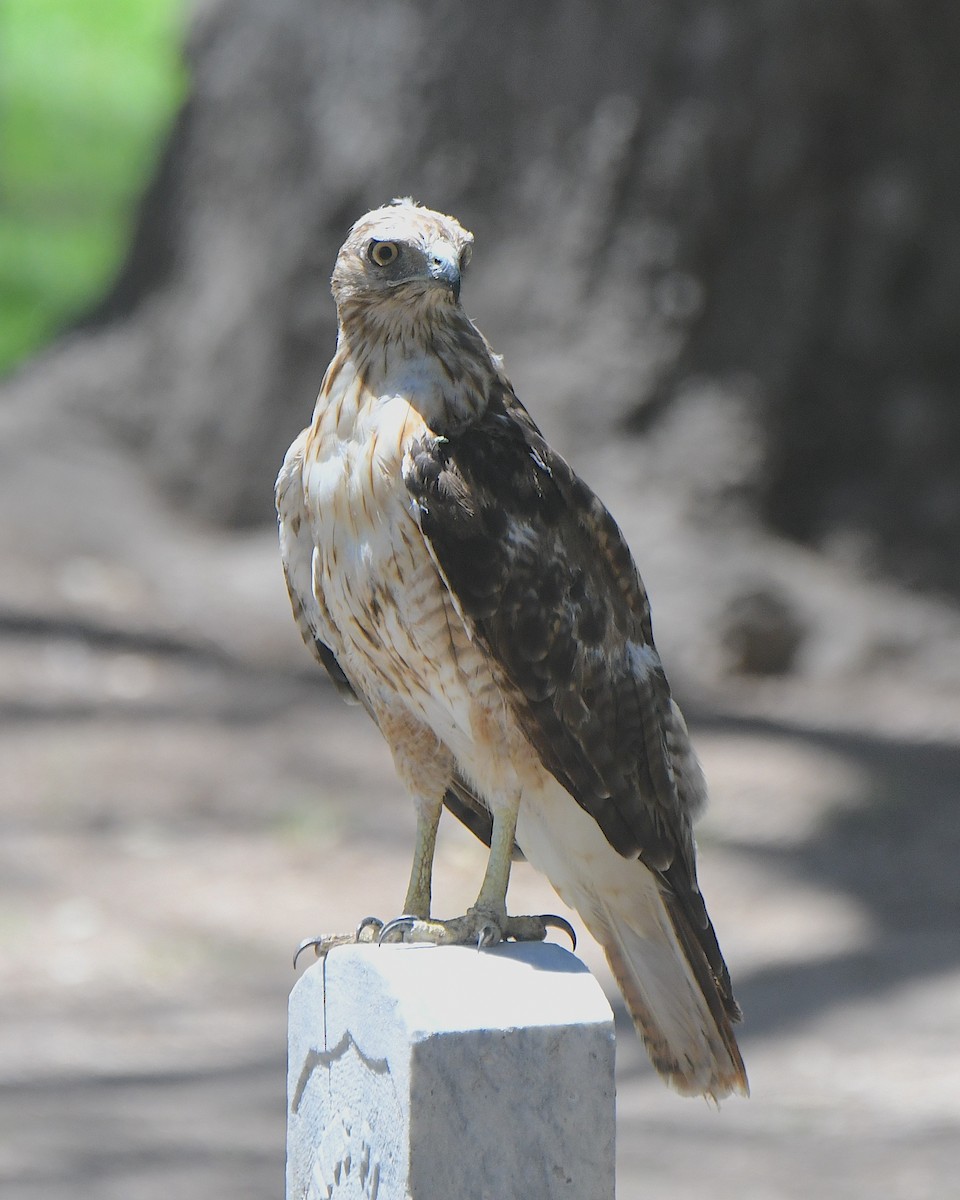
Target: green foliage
<point>88,89</point>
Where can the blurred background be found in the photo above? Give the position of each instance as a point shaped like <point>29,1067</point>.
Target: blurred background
<point>718,244</point>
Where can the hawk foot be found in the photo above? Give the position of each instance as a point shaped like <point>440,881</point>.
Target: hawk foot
<point>478,927</point>
<point>367,931</point>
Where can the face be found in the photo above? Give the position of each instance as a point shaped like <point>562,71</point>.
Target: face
<point>402,251</point>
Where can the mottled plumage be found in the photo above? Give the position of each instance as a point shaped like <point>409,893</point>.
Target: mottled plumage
<point>456,577</point>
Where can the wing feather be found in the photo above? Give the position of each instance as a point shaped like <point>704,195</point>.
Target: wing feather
<point>543,575</point>
<point>540,569</point>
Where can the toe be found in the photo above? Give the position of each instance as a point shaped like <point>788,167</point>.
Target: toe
<point>321,945</point>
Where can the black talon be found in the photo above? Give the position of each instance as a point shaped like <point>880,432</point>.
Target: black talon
<point>405,922</point>
<point>315,942</point>
<point>551,919</point>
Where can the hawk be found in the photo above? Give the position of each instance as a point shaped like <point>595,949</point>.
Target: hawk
<point>456,578</point>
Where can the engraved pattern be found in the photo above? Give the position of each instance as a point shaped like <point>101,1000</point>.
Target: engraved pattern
<point>345,1167</point>
<point>324,1058</point>
<point>347,1124</point>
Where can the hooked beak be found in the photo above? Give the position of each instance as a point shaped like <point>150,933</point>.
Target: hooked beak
<point>445,270</point>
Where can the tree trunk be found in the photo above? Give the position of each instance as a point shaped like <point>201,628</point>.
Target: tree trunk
<point>733,222</point>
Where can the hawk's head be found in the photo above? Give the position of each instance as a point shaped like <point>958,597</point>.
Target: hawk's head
<point>403,252</point>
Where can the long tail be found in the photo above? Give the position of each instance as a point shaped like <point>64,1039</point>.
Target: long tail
<point>681,1010</point>
<point>658,939</point>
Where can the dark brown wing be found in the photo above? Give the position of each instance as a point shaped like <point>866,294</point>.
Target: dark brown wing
<point>542,572</point>
<point>540,569</point>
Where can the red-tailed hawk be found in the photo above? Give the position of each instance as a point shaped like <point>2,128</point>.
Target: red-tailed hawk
<point>456,578</point>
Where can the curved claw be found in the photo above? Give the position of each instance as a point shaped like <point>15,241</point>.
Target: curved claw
<point>373,923</point>
<point>488,935</point>
<point>405,923</point>
<point>315,942</point>
<point>552,920</point>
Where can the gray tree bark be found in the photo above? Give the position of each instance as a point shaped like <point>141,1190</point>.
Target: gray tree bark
<point>732,221</point>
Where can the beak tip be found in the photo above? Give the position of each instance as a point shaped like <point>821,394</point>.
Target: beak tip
<point>446,271</point>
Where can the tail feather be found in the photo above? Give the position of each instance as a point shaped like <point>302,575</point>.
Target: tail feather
<point>658,940</point>
<point>673,997</point>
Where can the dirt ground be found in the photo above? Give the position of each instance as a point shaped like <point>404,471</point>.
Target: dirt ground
<point>177,816</point>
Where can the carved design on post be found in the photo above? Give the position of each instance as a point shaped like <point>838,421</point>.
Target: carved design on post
<point>345,1161</point>
<point>346,1164</point>
<point>323,1058</point>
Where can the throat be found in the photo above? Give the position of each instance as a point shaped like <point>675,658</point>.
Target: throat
<point>438,361</point>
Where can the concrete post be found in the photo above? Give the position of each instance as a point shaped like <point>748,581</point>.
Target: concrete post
<point>448,1073</point>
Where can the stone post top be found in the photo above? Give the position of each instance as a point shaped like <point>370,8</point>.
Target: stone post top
<point>458,988</point>
<point>439,1072</point>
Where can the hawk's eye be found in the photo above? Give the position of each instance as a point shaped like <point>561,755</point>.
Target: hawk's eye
<point>382,254</point>
<point>465,255</point>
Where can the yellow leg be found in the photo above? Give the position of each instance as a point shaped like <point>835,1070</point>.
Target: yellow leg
<point>487,922</point>
<point>496,879</point>
<point>417,903</point>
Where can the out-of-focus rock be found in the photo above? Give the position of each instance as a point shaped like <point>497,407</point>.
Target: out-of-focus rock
<point>761,632</point>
